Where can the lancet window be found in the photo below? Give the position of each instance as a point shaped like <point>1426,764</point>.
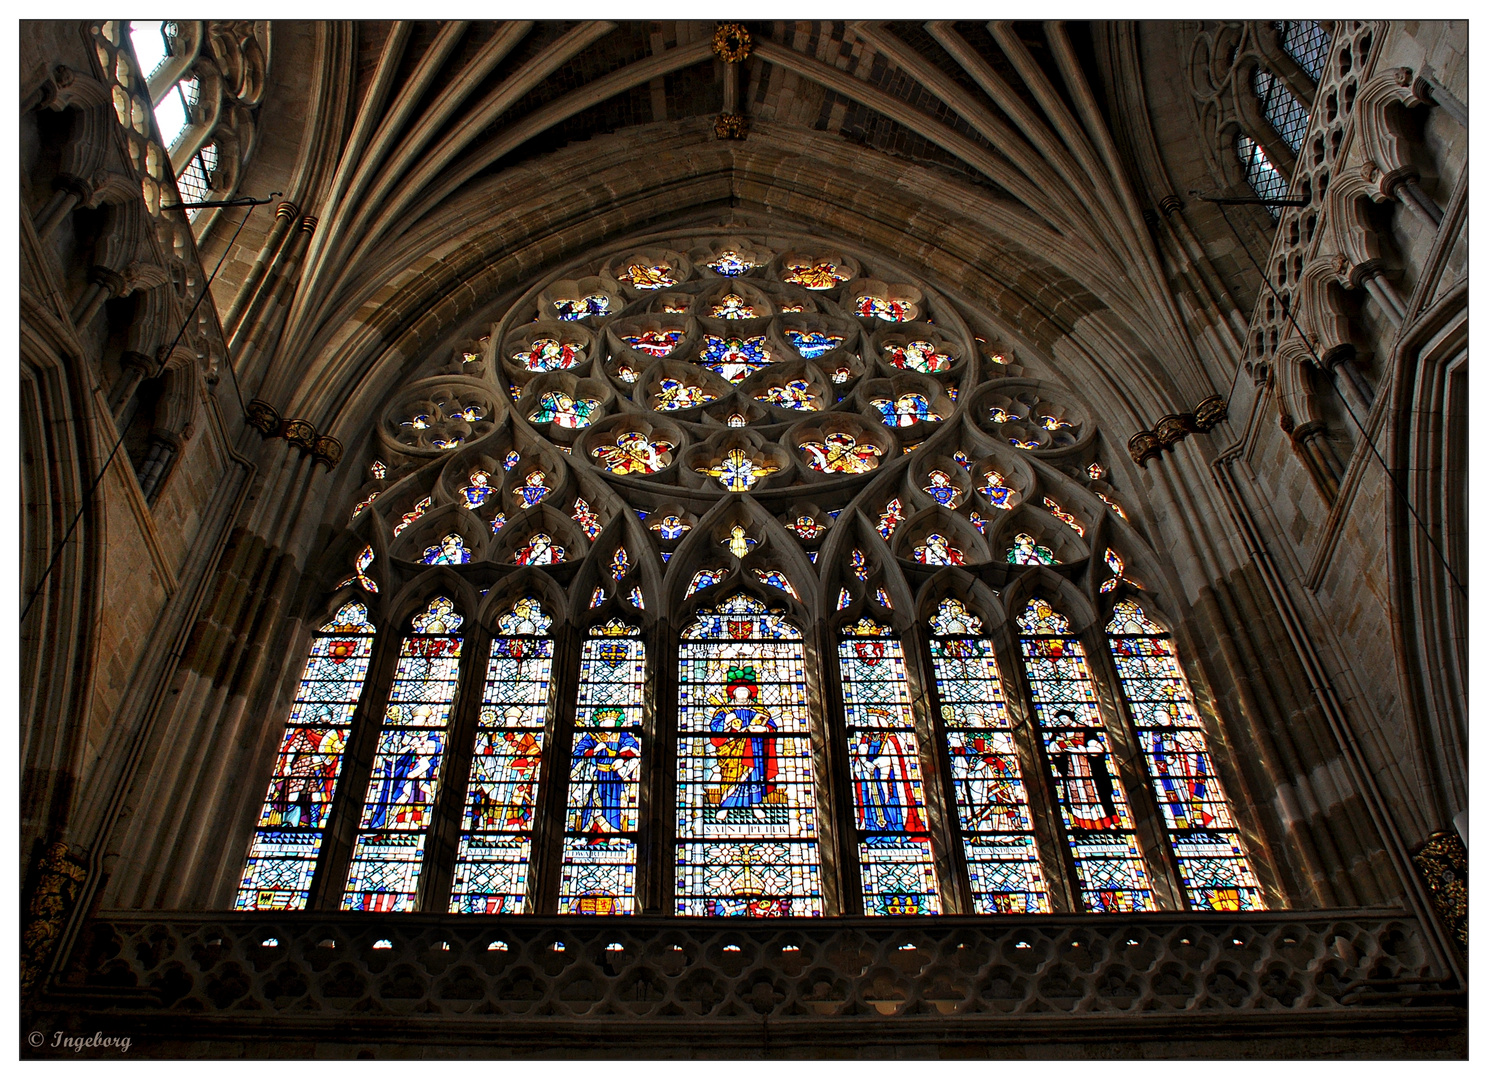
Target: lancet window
<point>597,670</point>
<point>495,847</point>
<point>601,833</point>
<point>388,858</point>
<point>746,797</point>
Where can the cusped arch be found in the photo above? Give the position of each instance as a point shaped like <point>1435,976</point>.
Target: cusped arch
<point>1377,120</point>
<point>430,531</point>
<point>523,582</point>
<point>954,583</point>
<point>416,595</point>
<point>1061,594</point>
<point>915,540</point>
<point>543,519</point>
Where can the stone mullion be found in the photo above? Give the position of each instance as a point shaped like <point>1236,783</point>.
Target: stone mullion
<point>837,844</point>
<point>356,773</point>
<point>545,868</point>
<point>1056,858</point>
<point>1126,751</point>
<point>656,848</point>
<point>443,838</point>
<point>957,884</point>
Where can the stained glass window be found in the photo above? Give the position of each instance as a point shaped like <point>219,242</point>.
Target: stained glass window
<point>291,824</point>
<point>940,487</point>
<point>548,354</point>
<point>794,394</point>
<point>840,452</point>
<point>582,307</point>
<point>363,560</point>
<point>746,799</point>
<point>997,836</point>
<point>905,410</point>
<point>1027,552</point>
<point>478,491</point>
<point>1058,511</point>
<point>601,826</point>
<point>732,306</point>
<point>936,550</point>
<point>670,527</point>
<point>674,394</point>
<point>889,310</point>
<point>889,520</point>
<point>533,489</point>
<point>1092,802</point>
<point>557,407</point>
<point>776,579</point>
<point>539,551</point>
<point>632,452</point>
<point>894,854</point>
<point>730,264</point>
<point>734,358</point>
<point>814,275</point>
<point>642,276</point>
<point>918,356</point>
<point>812,343</point>
<point>496,824</point>
<point>739,542</point>
<point>1195,813</point>
<point>451,551</point>
<point>806,527</point>
<point>586,518</point>
<point>413,515</point>
<point>703,578</point>
<point>748,762</point>
<point>739,470</point>
<point>389,853</point>
<point>654,342</point>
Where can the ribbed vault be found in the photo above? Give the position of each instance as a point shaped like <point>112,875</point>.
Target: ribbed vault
<point>460,158</point>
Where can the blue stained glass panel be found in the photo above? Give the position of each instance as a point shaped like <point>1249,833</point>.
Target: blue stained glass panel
<point>291,824</point>
<point>1217,875</point>
<point>604,784</point>
<point>388,856</point>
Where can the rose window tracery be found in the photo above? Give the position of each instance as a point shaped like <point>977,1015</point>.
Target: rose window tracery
<point>739,436</point>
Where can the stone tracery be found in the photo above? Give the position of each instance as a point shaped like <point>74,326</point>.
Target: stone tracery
<point>705,429</point>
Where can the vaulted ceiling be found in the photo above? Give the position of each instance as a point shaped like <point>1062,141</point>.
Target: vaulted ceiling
<point>1021,163</point>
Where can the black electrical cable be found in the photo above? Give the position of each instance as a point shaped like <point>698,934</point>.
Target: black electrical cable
<point>1286,310</point>
<point>112,453</point>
